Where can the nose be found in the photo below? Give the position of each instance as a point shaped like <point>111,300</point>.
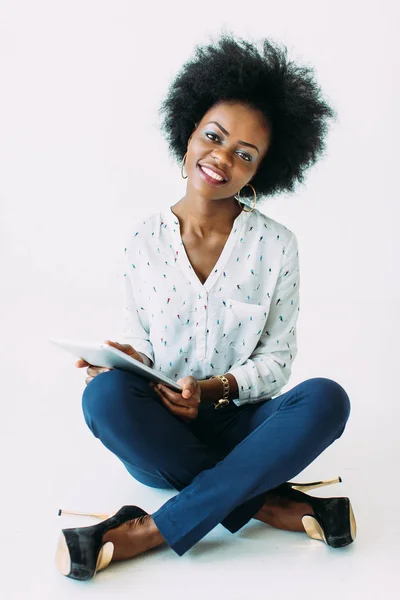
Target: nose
<point>222,158</point>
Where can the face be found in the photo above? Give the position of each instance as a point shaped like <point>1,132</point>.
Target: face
<point>233,139</point>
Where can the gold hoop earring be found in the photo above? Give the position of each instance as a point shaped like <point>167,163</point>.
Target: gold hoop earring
<point>183,160</point>
<point>255,198</point>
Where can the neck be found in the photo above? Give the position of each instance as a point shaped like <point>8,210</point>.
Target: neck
<point>204,217</point>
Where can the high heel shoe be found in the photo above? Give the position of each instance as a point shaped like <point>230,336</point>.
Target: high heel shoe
<point>81,552</point>
<point>303,487</point>
<point>333,521</point>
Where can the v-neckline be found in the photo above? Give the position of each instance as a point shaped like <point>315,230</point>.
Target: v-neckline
<point>183,259</point>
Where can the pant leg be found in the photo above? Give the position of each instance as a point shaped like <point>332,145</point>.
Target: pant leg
<point>282,437</point>
<point>252,416</point>
<point>157,448</point>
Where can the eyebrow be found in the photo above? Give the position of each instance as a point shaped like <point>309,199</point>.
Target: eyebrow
<point>226,133</point>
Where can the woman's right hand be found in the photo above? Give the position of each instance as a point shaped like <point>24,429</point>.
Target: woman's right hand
<point>92,371</point>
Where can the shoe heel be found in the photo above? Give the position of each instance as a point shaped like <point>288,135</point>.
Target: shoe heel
<point>333,521</point>
<point>81,552</point>
<point>73,547</point>
<point>304,487</point>
<point>101,516</point>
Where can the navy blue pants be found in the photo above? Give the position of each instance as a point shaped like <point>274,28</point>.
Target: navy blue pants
<point>225,461</point>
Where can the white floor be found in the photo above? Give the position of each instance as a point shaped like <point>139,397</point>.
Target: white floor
<point>51,460</point>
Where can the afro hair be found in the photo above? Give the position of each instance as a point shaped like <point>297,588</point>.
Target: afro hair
<point>287,95</point>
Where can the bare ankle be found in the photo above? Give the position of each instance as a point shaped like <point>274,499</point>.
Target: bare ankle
<point>134,537</point>
<point>283,514</point>
<point>153,532</point>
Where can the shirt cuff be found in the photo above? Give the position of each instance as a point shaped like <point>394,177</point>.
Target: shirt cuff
<point>244,385</point>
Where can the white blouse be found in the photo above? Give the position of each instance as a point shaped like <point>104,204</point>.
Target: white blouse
<point>242,320</point>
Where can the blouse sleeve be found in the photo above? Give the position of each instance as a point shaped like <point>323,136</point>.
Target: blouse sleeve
<point>268,368</point>
<point>136,324</point>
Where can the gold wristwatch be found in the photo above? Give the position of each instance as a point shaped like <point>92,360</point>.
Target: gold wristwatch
<point>224,401</point>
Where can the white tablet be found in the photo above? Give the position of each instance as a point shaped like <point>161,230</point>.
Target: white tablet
<point>104,355</point>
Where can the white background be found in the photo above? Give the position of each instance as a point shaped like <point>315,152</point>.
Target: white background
<point>81,158</point>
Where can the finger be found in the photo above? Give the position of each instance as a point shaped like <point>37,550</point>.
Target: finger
<point>157,391</point>
<point>184,411</point>
<point>110,343</point>
<point>96,370</point>
<point>189,385</point>
<point>81,363</point>
<point>127,349</point>
<point>176,398</point>
<point>179,411</point>
<point>88,380</point>
<point>164,391</point>
<point>123,347</point>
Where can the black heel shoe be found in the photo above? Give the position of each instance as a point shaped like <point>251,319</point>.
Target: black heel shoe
<point>333,521</point>
<point>81,552</point>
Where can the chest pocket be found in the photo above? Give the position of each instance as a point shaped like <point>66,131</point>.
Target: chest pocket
<point>243,325</point>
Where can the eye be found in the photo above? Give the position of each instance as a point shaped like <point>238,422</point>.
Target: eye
<point>248,158</point>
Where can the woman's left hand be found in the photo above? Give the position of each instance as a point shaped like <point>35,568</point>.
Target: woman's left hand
<point>183,404</point>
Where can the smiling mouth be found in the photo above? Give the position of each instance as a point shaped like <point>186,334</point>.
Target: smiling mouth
<point>209,178</point>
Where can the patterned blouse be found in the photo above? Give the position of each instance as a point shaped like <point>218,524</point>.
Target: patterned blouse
<point>241,320</point>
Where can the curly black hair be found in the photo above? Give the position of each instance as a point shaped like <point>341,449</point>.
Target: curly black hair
<point>287,95</point>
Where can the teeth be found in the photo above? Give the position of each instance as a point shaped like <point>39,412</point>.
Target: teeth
<point>212,174</point>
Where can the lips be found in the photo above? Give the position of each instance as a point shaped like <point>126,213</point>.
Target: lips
<point>209,180</point>
<point>215,170</point>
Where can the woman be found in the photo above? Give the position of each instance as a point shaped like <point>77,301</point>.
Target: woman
<point>212,297</point>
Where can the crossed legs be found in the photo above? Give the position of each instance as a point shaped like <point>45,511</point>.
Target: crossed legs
<point>223,466</point>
